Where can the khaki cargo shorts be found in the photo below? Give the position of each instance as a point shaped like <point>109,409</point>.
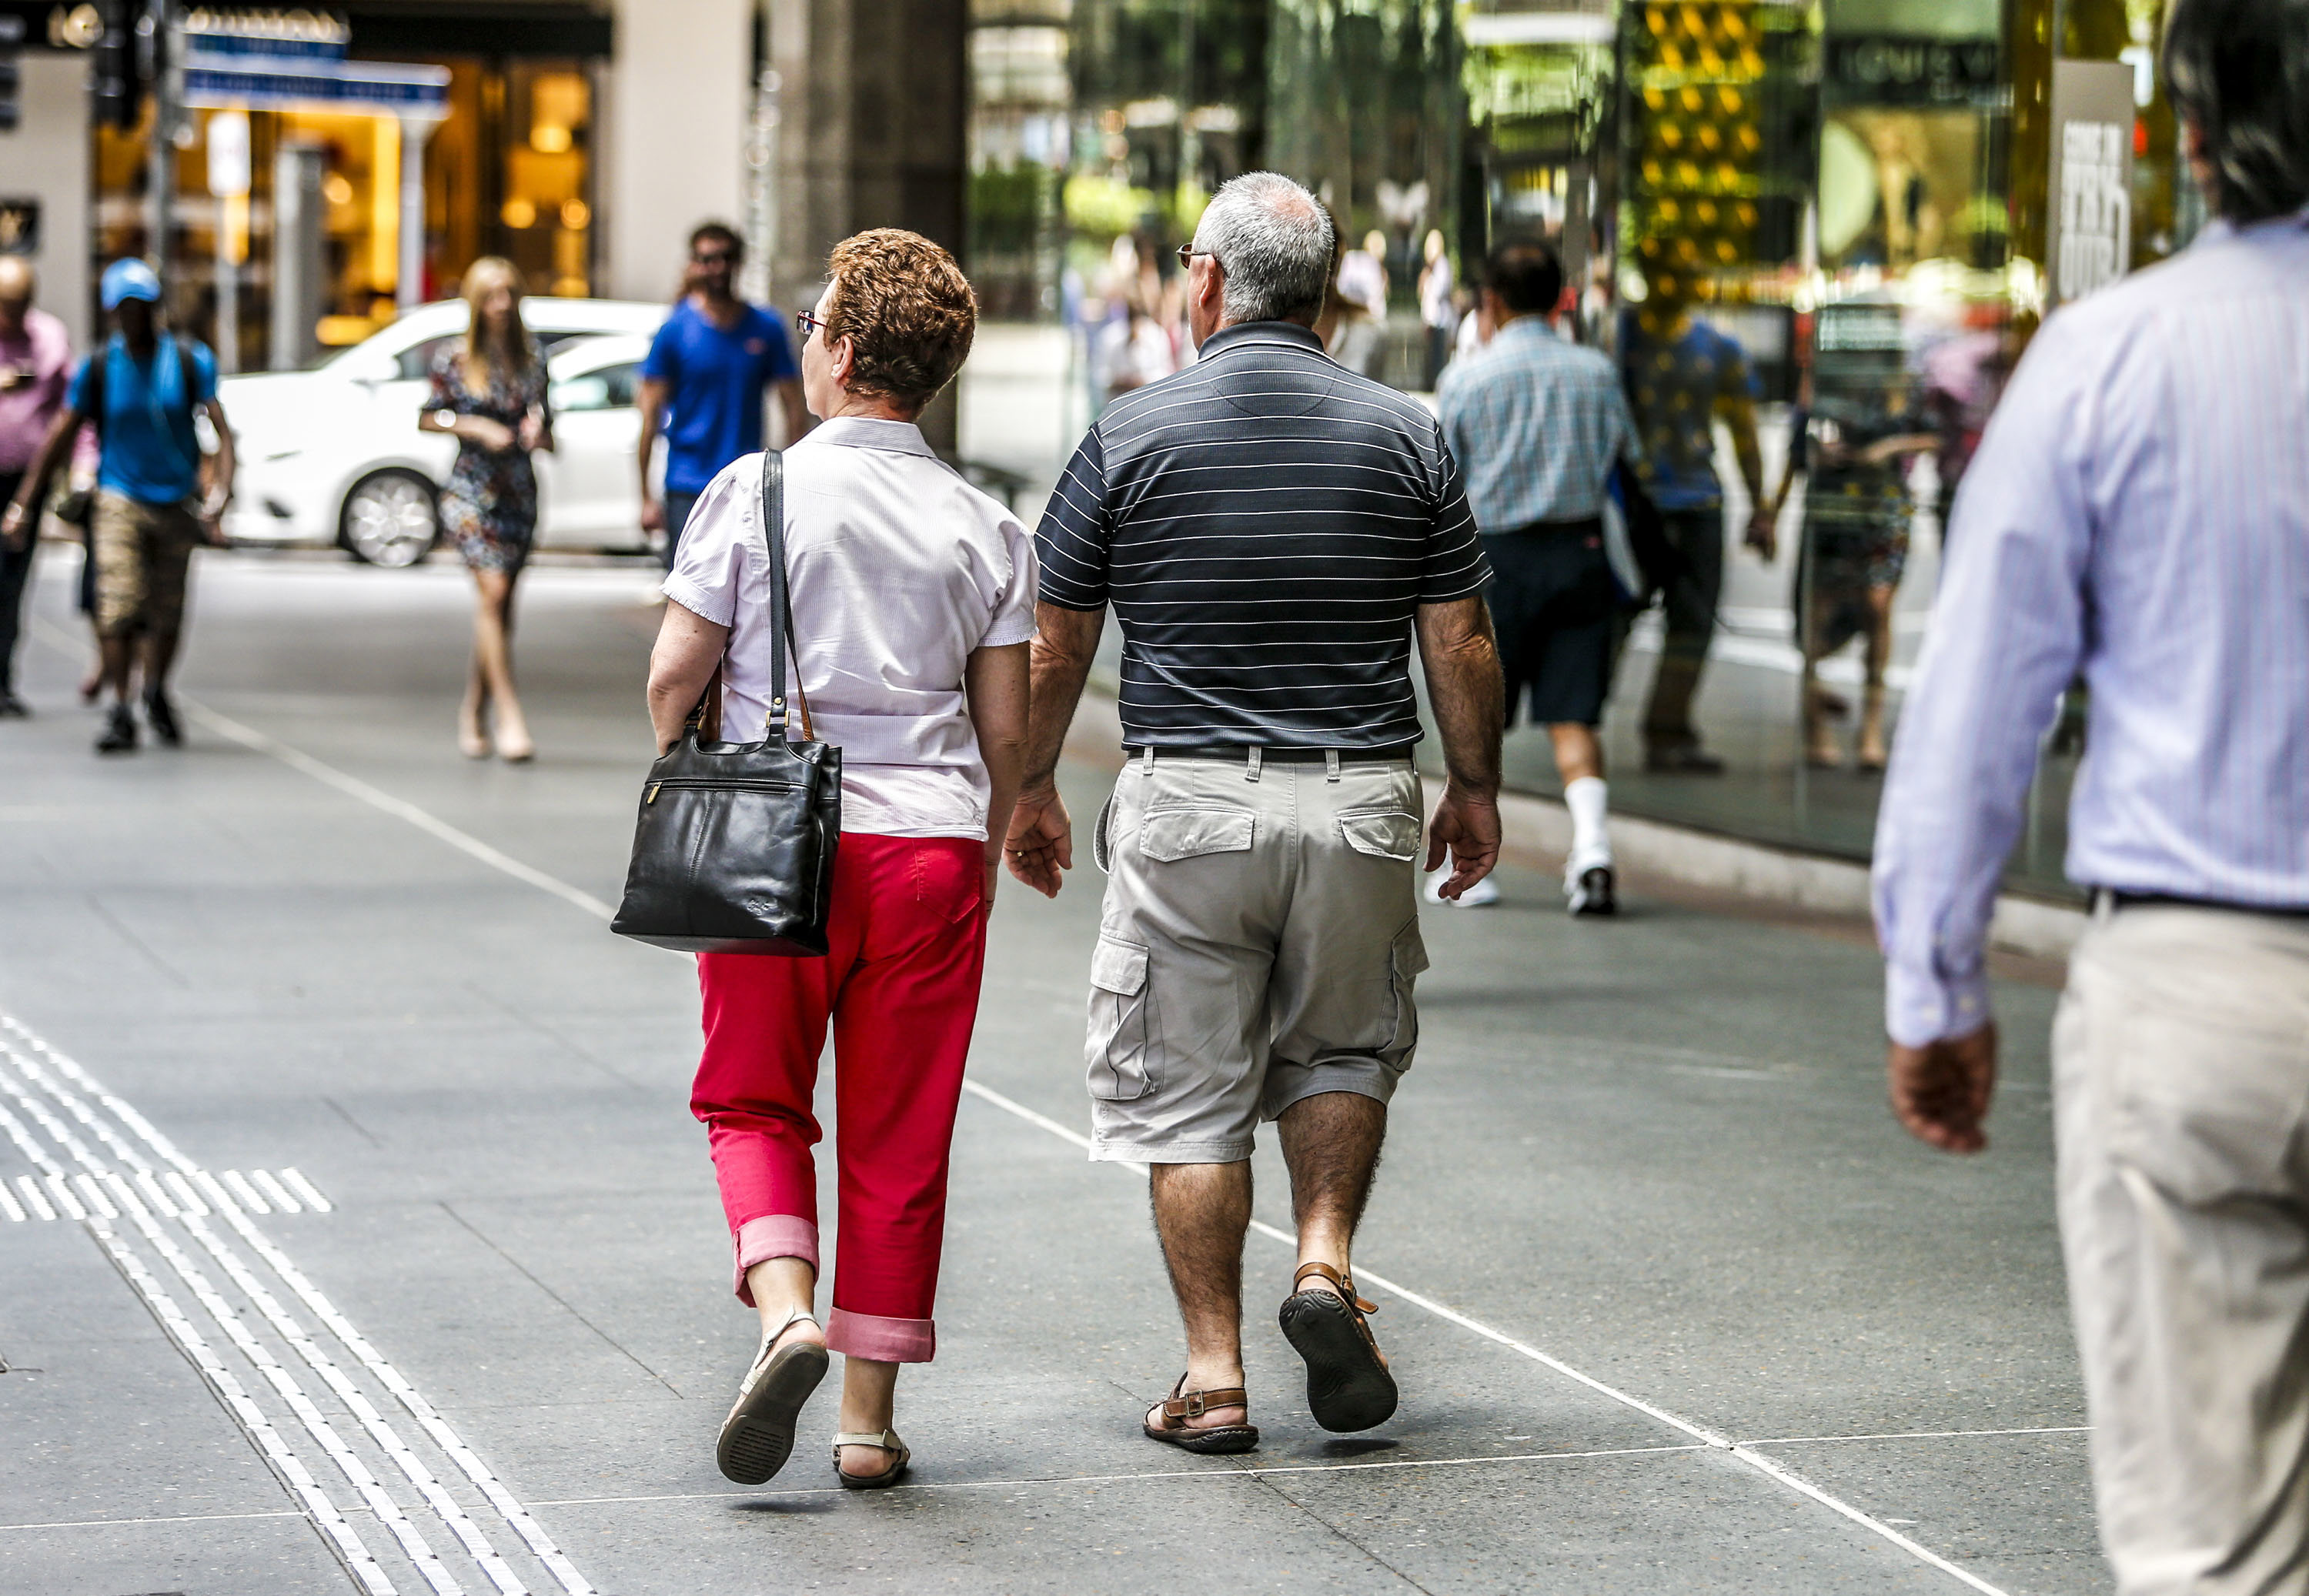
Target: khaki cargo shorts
<point>1259,944</point>
<point>143,553</point>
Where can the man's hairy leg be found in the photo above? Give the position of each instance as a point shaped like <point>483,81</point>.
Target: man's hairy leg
<point>1331,1142</point>
<point>1202,1212</point>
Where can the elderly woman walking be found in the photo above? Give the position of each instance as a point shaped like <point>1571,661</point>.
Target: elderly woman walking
<point>913,600</point>
<point>489,393</point>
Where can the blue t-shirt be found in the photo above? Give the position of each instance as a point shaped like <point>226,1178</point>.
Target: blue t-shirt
<point>1673,390</point>
<point>151,452</point>
<point>714,381</point>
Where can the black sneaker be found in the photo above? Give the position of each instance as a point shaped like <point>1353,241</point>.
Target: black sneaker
<point>1597,892</point>
<point>1680,759</point>
<point>13,708</point>
<point>162,716</point>
<point>119,732</point>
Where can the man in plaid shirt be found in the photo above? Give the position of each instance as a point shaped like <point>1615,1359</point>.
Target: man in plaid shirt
<point>1537,426</point>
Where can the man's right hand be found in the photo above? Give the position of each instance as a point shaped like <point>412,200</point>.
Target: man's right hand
<point>1469,828</point>
<point>652,515</point>
<point>1941,1092</point>
<point>1041,843</point>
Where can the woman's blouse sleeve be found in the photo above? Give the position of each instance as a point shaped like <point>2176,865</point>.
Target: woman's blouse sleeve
<point>447,389</point>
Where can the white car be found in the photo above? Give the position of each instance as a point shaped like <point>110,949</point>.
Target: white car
<point>334,456</point>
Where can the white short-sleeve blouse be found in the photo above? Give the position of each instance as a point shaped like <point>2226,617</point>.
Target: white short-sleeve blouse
<point>900,569</point>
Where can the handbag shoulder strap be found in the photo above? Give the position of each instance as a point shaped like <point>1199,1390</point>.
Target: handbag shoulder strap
<point>782,627</point>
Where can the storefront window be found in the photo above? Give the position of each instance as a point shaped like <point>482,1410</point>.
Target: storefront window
<point>505,165</point>
<point>1877,201</point>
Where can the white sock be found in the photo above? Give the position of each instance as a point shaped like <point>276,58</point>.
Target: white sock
<point>1591,843</point>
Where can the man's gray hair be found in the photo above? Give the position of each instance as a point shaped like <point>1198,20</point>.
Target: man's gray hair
<point>1275,241</point>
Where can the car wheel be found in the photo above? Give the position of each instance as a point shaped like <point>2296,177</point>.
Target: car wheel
<point>390,519</point>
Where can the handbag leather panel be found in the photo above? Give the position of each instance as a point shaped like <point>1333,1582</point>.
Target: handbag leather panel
<point>735,842</point>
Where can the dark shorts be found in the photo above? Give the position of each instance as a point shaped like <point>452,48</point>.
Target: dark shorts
<point>677,506</point>
<point>1552,602</point>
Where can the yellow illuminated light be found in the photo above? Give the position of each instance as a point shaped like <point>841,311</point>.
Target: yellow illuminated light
<point>518,213</point>
<point>577,215</point>
<point>385,203</point>
<point>337,189</point>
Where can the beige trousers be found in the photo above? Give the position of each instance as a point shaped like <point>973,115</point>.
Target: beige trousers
<point>2181,1062</point>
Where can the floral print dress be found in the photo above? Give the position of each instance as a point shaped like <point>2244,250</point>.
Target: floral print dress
<point>489,505</point>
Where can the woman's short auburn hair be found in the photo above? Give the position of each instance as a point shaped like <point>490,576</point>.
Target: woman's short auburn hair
<point>907,310</point>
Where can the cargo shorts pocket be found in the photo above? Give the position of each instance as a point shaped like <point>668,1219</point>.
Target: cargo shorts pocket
<point>1101,852</point>
<point>1406,959</point>
<point>1116,1050</point>
<point>1382,833</point>
<point>1167,835</point>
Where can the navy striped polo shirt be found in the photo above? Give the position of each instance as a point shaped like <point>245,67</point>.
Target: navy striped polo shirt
<point>1266,524</point>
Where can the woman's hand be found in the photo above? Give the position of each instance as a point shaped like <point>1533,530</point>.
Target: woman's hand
<point>534,434</point>
<point>483,433</point>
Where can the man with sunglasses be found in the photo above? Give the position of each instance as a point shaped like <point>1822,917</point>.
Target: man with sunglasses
<point>703,382</point>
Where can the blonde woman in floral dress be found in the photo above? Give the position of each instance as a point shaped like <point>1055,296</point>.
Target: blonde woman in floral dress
<point>490,395</point>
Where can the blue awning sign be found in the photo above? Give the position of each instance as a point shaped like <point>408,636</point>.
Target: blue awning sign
<point>214,81</point>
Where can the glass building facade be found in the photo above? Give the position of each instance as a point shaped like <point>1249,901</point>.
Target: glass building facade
<point>1878,200</point>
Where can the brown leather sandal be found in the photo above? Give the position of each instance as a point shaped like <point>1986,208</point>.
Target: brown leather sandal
<point>1183,1404</point>
<point>1348,1387</point>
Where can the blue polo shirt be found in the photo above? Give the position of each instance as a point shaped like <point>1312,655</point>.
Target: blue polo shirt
<point>714,380</point>
<point>1672,389</point>
<point>151,452</point>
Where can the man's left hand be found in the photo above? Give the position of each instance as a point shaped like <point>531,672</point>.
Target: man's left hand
<point>1941,1092</point>
<point>1469,829</point>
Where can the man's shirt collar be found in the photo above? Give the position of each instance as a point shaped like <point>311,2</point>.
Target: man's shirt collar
<point>1246,332</point>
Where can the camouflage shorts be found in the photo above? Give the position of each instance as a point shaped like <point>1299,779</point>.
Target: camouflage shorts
<point>142,552</point>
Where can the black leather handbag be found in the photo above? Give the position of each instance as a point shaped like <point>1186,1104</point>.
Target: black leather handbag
<point>734,850</point>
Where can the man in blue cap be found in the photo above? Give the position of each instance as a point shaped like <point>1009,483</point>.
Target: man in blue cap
<point>142,393</point>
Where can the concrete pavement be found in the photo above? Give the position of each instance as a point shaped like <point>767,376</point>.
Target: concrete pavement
<point>1640,1184</point>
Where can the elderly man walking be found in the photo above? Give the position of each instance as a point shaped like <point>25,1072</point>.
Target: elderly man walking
<point>2140,511</point>
<point>1272,530</point>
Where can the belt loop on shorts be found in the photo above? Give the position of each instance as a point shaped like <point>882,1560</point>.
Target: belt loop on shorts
<point>1146,760</point>
<point>1251,771</point>
<point>1330,764</point>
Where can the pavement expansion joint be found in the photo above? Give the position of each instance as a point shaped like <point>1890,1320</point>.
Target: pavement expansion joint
<point>171,1229</point>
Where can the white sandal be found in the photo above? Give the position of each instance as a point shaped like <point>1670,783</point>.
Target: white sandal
<point>887,1440</point>
<point>757,1437</point>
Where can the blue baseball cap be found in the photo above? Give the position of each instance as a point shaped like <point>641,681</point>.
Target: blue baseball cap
<point>128,279</point>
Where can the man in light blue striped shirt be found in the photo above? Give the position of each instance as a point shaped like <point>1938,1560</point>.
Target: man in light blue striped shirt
<point>2140,512</point>
<point>1537,425</point>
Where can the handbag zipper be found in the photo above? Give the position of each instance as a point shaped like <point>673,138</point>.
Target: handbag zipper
<point>723,781</point>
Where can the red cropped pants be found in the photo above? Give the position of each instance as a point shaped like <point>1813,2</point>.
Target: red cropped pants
<point>899,987</point>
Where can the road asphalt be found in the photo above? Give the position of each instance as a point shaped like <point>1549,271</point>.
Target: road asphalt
<point>1674,1305</point>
